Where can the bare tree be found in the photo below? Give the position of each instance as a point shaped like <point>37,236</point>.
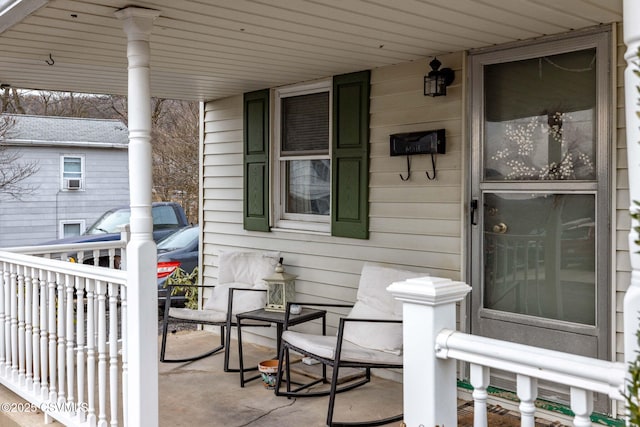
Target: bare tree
<point>13,172</point>
<point>175,154</point>
<point>174,140</point>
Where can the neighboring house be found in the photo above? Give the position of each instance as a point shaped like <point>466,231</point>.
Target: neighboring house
<point>82,172</point>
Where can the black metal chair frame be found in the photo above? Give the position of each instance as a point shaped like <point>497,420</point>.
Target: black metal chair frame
<point>225,329</point>
<point>336,364</point>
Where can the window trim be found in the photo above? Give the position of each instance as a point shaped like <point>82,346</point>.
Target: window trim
<point>82,171</point>
<point>281,219</point>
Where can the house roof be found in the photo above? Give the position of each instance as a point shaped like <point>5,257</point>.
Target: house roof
<point>210,49</point>
<point>54,130</point>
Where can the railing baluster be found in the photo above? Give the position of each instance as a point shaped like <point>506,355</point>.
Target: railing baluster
<point>479,377</point>
<point>527,393</point>
<point>14,322</point>
<point>70,341</point>
<point>21,326</point>
<point>35,336</point>
<point>28,331</point>
<point>113,353</point>
<point>3,317</point>
<point>61,336</point>
<point>91,353</point>
<point>44,317</point>
<point>125,364</point>
<point>80,338</point>
<point>582,406</point>
<point>102,354</point>
<point>53,347</point>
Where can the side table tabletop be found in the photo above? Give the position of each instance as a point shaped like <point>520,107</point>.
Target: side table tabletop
<point>278,318</point>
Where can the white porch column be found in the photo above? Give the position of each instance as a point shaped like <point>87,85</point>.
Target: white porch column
<point>429,383</point>
<point>631,23</point>
<point>142,328</point>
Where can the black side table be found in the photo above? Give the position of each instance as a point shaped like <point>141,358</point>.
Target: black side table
<point>277,317</point>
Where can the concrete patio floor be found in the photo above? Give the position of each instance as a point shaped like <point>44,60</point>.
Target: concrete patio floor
<point>200,393</point>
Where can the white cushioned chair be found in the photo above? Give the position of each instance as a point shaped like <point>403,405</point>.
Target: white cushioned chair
<point>240,288</point>
<point>369,337</point>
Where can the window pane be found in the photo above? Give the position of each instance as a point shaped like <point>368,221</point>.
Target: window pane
<point>72,167</point>
<point>540,118</point>
<point>308,186</point>
<point>305,124</point>
<point>164,216</point>
<point>540,256</point>
<point>70,230</point>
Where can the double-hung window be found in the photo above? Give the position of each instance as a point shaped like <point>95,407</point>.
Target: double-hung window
<point>302,157</point>
<point>72,172</point>
<point>306,157</point>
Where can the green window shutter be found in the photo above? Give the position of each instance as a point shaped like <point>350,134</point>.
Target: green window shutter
<point>256,160</point>
<point>350,156</point>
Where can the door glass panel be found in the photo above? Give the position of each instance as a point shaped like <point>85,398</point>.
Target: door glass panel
<point>540,118</point>
<point>539,256</point>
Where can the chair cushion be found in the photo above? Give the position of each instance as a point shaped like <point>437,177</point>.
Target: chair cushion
<point>325,347</point>
<point>372,289</point>
<point>242,301</point>
<point>208,316</point>
<point>374,302</point>
<point>385,337</point>
<point>246,267</point>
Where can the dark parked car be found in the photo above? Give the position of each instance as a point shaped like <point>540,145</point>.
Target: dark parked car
<point>167,218</point>
<point>178,250</point>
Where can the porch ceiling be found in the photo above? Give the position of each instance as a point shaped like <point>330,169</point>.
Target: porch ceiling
<point>208,49</point>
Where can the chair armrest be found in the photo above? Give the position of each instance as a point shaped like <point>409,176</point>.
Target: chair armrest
<point>342,323</point>
<point>287,313</point>
<point>230,299</point>
<point>343,320</point>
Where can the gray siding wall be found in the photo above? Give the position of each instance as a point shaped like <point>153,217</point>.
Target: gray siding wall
<point>35,218</point>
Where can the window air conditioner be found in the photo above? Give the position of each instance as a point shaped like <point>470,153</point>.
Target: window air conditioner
<point>72,184</point>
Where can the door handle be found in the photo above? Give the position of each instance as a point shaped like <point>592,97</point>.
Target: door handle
<point>500,228</point>
<point>473,208</point>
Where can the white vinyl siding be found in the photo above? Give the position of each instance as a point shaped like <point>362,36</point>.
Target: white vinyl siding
<point>414,225</point>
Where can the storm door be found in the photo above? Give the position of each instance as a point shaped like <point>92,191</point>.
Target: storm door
<point>540,196</point>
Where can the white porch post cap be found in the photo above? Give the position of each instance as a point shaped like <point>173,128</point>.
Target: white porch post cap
<point>429,290</point>
<point>138,21</point>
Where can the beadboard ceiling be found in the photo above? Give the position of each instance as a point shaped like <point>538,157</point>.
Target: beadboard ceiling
<point>209,49</point>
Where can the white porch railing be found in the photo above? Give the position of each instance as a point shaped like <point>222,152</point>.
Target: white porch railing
<point>61,343</point>
<point>430,377</point>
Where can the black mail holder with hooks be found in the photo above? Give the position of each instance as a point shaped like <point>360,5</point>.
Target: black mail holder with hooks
<point>425,142</point>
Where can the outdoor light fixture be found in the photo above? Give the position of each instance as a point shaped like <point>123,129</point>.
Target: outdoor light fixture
<point>280,289</point>
<point>436,82</point>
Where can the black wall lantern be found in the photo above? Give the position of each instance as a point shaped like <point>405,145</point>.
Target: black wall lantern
<point>436,82</point>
